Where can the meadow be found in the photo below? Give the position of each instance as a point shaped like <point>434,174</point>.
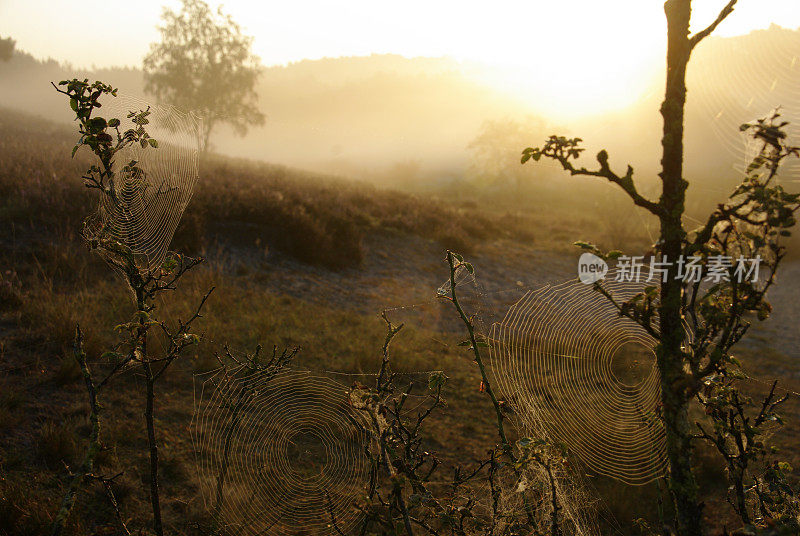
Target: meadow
<point>298,259</point>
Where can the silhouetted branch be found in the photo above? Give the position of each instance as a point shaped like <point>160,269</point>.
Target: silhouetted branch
<point>106,483</point>
<point>454,263</point>
<point>727,10</point>
<point>562,149</point>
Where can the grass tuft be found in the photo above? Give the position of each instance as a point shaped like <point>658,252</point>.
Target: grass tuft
<point>55,443</point>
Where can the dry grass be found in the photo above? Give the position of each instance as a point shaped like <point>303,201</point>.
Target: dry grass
<point>11,400</point>
<point>317,220</point>
<point>39,438</point>
<point>55,443</point>
<point>49,282</point>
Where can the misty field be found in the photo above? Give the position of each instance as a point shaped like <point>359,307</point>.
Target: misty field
<point>294,270</point>
<point>363,249</point>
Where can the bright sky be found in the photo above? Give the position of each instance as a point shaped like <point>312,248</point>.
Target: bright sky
<point>553,48</point>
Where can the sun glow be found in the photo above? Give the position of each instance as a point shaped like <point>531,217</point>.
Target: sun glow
<point>579,66</point>
<point>581,57</point>
<point>588,58</point>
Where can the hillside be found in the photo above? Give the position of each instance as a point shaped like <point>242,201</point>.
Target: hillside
<point>252,221</point>
<point>298,259</point>
<point>373,117</point>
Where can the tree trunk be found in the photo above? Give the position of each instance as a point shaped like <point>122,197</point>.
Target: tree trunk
<point>741,500</point>
<point>682,484</point>
<point>208,125</point>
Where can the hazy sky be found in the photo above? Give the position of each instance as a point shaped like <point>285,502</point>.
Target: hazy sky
<point>561,48</point>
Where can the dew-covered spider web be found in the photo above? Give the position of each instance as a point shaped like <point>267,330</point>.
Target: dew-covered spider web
<point>565,353</point>
<point>567,364</point>
<point>282,454</point>
<point>765,76</point>
<point>141,209</point>
<point>579,510</point>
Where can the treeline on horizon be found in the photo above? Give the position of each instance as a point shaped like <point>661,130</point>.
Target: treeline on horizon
<point>423,122</point>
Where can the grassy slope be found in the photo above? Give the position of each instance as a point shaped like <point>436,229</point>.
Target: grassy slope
<point>49,282</point>
<point>271,259</point>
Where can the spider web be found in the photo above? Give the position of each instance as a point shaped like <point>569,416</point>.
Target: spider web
<point>767,77</point>
<point>563,355</point>
<point>566,363</point>
<point>579,511</point>
<point>142,211</point>
<point>289,448</point>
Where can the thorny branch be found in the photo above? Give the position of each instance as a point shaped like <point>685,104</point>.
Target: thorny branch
<point>87,466</point>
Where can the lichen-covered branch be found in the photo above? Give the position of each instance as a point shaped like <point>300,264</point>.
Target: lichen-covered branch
<point>87,466</point>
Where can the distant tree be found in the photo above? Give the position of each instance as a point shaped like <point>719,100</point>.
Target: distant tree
<point>6,48</point>
<point>205,64</point>
<point>494,152</point>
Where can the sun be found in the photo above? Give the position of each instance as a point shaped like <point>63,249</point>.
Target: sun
<point>587,58</point>
<point>581,64</point>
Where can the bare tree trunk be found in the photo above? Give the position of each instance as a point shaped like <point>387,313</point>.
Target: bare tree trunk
<point>208,125</point>
<point>741,500</point>
<point>669,353</point>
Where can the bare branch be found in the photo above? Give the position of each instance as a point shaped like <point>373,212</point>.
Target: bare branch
<point>727,10</point>
<point>625,182</point>
<point>563,149</point>
<point>112,498</point>
<point>454,264</point>
<point>94,439</point>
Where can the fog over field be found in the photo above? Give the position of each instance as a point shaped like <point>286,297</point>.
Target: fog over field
<point>403,120</point>
<point>423,268</point>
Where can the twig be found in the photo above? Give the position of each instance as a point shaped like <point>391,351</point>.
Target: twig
<point>106,483</point>
<point>699,36</point>
<point>94,438</point>
<point>451,261</point>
